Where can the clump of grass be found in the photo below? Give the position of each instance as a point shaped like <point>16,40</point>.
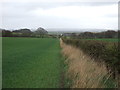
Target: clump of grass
<point>84,71</point>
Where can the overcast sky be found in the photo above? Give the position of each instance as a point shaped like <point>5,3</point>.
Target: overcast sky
<point>92,14</point>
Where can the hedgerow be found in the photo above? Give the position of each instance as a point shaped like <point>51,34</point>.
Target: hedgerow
<point>109,52</point>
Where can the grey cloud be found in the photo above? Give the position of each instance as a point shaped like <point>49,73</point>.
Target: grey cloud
<point>29,6</point>
<point>112,16</point>
<point>12,9</point>
<point>16,15</point>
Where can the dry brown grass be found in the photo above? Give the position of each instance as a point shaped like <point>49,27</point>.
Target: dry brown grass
<point>84,72</point>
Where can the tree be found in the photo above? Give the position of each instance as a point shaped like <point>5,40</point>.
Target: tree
<point>110,34</point>
<point>40,32</point>
<point>6,33</point>
<point>22,32</point>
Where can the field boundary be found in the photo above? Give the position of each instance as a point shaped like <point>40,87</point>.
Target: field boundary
<point>84,71</point>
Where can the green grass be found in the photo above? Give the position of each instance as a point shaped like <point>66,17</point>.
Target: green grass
<point>106,39</point>
<point>31,63</point>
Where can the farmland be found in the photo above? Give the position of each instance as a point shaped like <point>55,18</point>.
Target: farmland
<point>105,39</point>
<point>31,63</point>
<point>39,63</point>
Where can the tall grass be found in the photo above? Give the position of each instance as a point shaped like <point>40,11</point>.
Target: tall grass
<point>84,71</point>
<point>101,51</point>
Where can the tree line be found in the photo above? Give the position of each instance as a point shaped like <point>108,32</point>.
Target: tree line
<point>40,32</point>
<point>104,34</point>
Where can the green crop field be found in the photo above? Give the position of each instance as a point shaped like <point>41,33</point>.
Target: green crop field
<point>106,39</point>
<point>31,63</point>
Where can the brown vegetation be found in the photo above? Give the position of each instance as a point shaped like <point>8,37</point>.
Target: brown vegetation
<point>84,72</point>
<point>101,51</point>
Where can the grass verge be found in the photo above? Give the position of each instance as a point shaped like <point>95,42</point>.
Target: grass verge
<point>83,71</point>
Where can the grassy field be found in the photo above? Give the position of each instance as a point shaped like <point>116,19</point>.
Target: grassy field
<point>106,39</point>
<point>38,63</point>
<point>31,63</point>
